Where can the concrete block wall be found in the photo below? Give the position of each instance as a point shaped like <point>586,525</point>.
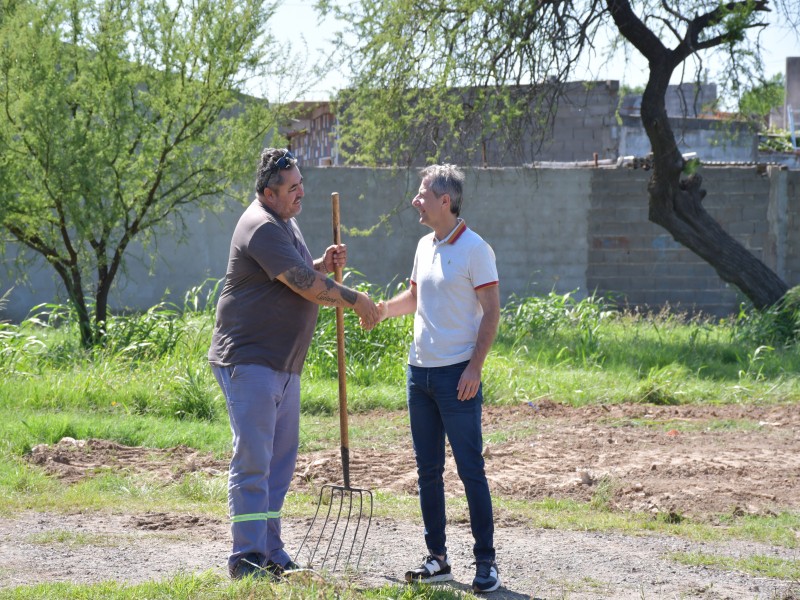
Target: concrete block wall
<point>710,140</point>
<point>792,251</point>
<point>552,229</point>
<point>642,264</point>
<point>584,123</point>
<point>684,100</point>
<point>175,268</point>
<point>691,100</point>
<point>535,221</point>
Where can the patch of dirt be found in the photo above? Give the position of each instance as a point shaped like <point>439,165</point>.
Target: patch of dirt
<point>691,461</point>
<point>688,465</point>
<point>72,460</point>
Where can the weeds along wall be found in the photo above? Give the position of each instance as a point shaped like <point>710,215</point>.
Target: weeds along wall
<point>566,230</point>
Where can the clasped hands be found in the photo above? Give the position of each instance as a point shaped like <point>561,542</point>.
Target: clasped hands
<point>370,313</point>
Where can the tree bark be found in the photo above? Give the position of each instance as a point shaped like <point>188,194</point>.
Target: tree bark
<point>72,281</point>
<point>675,203</point>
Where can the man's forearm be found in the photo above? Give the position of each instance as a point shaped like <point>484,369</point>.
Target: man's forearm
<point>318,288</point>
<point>487,331</point>
<point>489,299</point>
<point>403,303</point>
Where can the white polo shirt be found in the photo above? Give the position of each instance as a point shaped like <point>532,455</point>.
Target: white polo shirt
<point>446,274</point>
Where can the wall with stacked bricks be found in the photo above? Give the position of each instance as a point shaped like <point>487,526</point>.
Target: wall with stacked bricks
<point>792,261</point>
<point>641,260</point>
<point>568,230</point>
<point>585,123</point>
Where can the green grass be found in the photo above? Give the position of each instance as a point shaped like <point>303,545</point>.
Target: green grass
<point>209,586</point>
<point>685,426</point>
<point>567,514</point>
<point>150,385</point>
<point>759,565</point>
<point>73,539</point>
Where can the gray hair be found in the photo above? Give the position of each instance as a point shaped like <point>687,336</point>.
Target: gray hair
<point>446,179</point>
<point>268,171</point>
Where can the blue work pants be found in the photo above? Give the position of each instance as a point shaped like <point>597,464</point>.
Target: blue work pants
<point>264,412</point>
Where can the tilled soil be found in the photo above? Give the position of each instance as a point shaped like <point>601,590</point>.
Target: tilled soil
<point>699,462</point>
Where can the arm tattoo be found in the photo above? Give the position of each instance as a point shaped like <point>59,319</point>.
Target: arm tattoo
<point>348,295</point>
<point>301,277</point>
<point>325,296</point>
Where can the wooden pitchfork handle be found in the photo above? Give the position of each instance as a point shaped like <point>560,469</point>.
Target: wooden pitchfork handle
<point>343,427</point>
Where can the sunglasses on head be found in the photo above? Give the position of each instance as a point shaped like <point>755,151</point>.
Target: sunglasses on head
<point>284,162</point>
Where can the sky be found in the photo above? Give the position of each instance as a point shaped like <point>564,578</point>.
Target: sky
<point>297,20</point>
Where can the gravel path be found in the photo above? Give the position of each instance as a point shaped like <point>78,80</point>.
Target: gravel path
<point>542,564</point>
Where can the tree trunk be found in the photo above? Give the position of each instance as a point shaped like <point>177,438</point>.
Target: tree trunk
<point>676,203</point>
<point>101,309</point>
<point>73,284</point>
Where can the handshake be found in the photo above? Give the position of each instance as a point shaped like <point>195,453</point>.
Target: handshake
<point>369,313</point>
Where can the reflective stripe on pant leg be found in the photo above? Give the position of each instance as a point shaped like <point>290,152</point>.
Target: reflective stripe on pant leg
<point>255,517</point>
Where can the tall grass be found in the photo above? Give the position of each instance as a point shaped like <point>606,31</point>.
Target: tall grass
<point>561,347</point>
<point>376,356</point>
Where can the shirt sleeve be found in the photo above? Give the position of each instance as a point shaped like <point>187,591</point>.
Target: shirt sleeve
<point>414,269</point>
<point>483,267</point>
<point>272,248</point>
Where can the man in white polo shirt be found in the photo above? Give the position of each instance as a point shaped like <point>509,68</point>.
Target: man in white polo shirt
<point>455,298</point>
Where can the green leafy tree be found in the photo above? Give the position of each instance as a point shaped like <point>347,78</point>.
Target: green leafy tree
<point>116,114</point>
<point>428,75</point>
<point>760,99</point>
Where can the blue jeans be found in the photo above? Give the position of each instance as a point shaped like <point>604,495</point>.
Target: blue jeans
<point>436,411</point>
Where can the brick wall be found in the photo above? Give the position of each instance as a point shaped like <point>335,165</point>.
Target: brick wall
<point>642,263</point>
<point>584,124</point>
<point>551,229</point>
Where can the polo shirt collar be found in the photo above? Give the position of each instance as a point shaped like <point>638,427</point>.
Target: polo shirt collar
<point>453,236</point>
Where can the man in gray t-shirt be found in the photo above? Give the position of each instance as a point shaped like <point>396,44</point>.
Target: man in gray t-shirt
<point>266,316</point>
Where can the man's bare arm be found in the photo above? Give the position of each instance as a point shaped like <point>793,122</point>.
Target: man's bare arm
<point>403,303</point>
<point>489,299</point>
<point>470,381</point>
<point>318,288</point>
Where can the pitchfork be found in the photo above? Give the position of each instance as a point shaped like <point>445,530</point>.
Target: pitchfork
<point>345,527</point>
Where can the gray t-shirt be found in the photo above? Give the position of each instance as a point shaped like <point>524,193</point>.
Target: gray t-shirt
<point>260,320</point>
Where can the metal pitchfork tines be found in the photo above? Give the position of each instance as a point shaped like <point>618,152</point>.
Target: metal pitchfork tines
<point>343,532</point>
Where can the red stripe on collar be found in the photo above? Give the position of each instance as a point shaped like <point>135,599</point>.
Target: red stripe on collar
<point>460,228</point>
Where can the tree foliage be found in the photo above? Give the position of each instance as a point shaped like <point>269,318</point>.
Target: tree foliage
<point>115,115</point>
<point>427,72</point>
<point>759,99</point>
